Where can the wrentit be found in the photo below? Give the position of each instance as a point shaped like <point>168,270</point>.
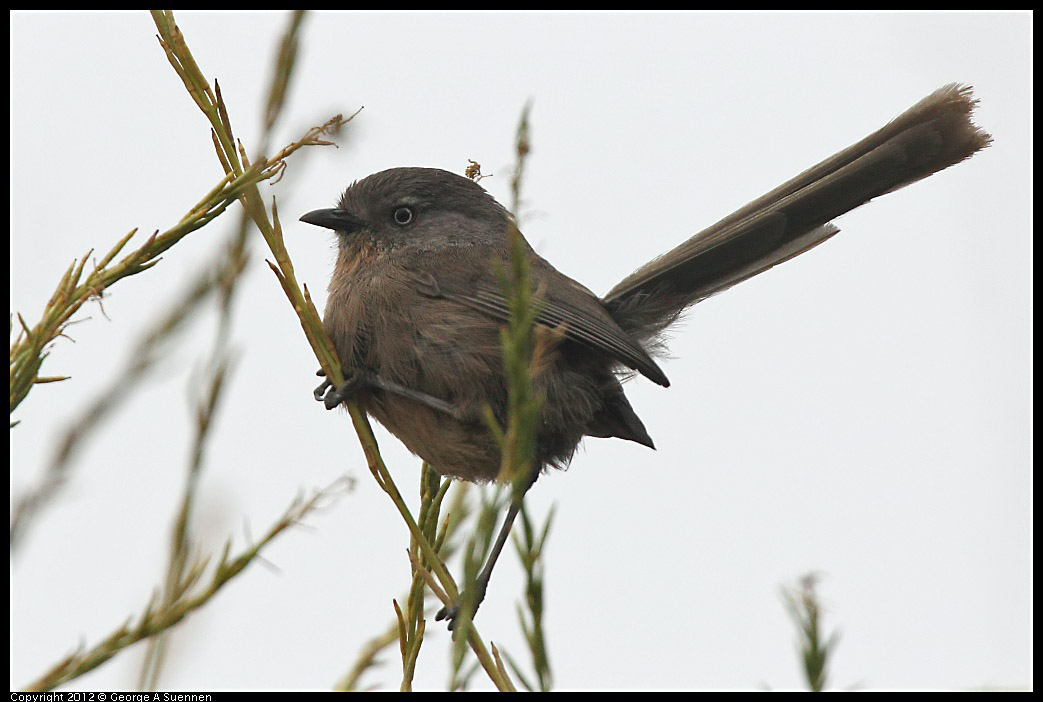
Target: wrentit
<point>415,308</point>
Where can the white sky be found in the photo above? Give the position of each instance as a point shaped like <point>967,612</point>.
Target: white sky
<point>863,411</point>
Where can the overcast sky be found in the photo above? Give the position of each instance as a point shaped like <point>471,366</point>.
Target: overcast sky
<point>863,411</point>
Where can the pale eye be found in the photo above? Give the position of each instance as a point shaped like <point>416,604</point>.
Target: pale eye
<point>403,215</point>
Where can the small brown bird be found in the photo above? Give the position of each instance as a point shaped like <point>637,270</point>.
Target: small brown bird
<point>415,309</point>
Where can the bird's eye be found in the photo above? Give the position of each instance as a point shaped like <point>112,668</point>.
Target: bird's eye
<point>403,215</point>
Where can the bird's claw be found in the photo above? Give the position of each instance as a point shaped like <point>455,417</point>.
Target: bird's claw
<point>332,396</point>
<point>448,613</point>
<point>319,393</point>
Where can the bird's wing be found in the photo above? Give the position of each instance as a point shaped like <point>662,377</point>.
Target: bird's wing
<point>563,304</point>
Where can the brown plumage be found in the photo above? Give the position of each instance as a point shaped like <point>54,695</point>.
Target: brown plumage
<point>414,307</point>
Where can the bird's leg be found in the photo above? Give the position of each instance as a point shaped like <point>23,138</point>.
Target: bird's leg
<point>451,612</point>
<point>365,379</point>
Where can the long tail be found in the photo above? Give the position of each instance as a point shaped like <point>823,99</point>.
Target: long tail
<point>932,135</point>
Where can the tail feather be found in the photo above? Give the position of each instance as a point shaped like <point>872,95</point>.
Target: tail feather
<point>932,135</point>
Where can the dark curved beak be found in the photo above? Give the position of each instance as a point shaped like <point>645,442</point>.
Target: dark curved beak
<point>334,218</point>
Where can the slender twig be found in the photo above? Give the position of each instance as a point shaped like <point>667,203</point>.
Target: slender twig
<point>160,616</point>
<point>29,349</point>
<point>815,648</point>
<point>523,353</point>
<point>211,104</point>
<point>530,617</point>
<point>181,543</point>
<point>445,544</point>
<point>217,368</point>
<point>217,372</point>
<point>368,658</point>
<point>145,355</point>
<point>528,546</point>
<point>522,147</point>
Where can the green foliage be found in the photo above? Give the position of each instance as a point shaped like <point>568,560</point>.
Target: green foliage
<point>815,648</point>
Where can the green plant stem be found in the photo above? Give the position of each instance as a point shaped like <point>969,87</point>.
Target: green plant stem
<point>212,105</point>
<point>159,617</point>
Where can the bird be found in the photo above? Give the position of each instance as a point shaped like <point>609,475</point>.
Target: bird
<point>414,305</point>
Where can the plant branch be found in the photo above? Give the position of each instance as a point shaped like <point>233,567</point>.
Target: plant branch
<point>159,616</point>
<point>212,106</point>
